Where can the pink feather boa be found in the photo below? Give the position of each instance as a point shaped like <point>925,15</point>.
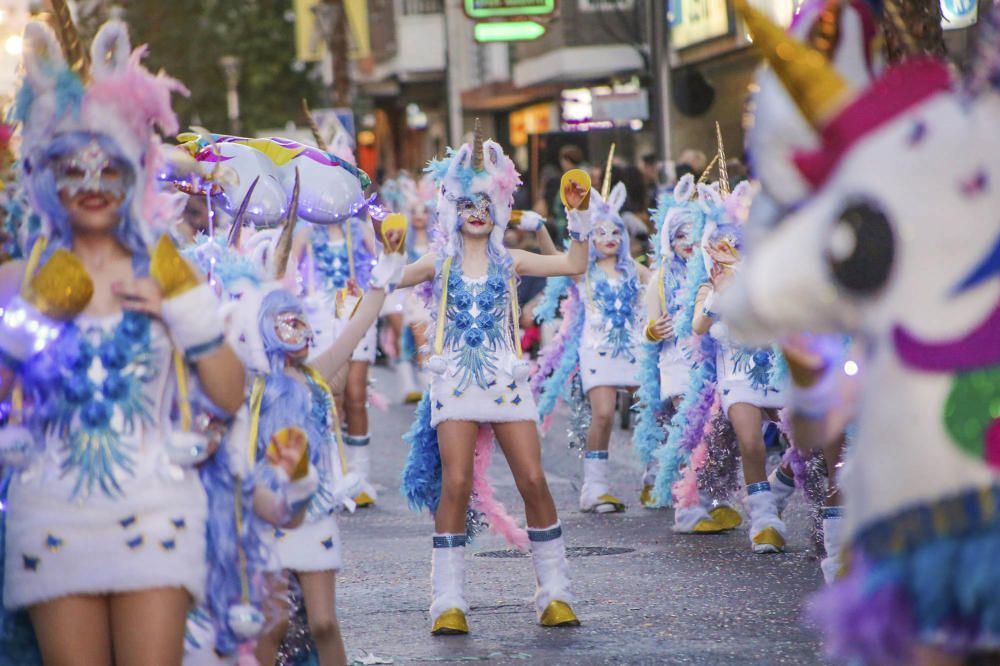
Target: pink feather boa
<point>483,495</point>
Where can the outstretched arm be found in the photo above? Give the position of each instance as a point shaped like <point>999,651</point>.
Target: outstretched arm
<point>419,271</point>
<point>573,262</point>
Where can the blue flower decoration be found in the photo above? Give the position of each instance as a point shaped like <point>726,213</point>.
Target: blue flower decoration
<point>762,358</point>
<point>484,320</point>
<point>115,386</point>
<point>496,285</point>
<point>454,282</point>
<point>485,301</point>
<point>463,320</point>
<point>617,319</point>
<point>463,300</point>
<point>78,389</point>
<point>134,325</point>
<point>96,415</point>
<point>113,355</point>
<point>474,337</point>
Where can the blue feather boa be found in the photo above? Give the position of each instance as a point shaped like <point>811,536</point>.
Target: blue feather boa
<point>555,289</point>
<point>558,384</point>
<point>421,483</point>
<point>648,435</point>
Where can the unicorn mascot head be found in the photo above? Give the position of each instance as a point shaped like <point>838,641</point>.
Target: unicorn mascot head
<point>868,254</point>
<point>89,123</point>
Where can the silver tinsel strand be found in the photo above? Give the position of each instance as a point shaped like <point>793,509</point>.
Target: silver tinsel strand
<point>297,649</point>
<point>815,491</point>
<point>475,523</point>
<point>719,478</point>
<point>579,418</point>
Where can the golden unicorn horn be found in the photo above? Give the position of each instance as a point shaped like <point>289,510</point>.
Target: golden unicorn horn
<point>811,81</point>
<point>69,38</point>
<point>477,146</point>
<point>723,167</point>
<point>606,185</point>
<point>313,127</point>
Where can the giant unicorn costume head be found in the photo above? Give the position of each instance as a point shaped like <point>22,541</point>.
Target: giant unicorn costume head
<point>93,108</point>
<point>899,243</point>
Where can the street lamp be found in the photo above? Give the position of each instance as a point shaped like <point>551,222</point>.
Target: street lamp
<point>231,70</point>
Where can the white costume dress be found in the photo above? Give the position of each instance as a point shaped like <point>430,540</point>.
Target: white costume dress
<point>610,345</point>
<point>101,509</point>
<point>747,375</point>
<point>479,383</point>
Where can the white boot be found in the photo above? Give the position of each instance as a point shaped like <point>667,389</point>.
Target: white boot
<point>448,606</point>
<point>407,382</point>
<point>782,487</point>
<point>552,595</point>
<point>833,541</point>
<point>721,511</point>
<point>648,482</point>
<point>359,461</point>
<point>595,496</point>
<point>767,532</point>
<point>695,520</point>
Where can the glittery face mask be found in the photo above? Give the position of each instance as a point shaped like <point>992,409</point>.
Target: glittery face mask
<point>723,250</point>
<point>90,169</point>
<point>477,208</point>
<point>293,331</point>
<point>607,233</point>
<point>683,243</point>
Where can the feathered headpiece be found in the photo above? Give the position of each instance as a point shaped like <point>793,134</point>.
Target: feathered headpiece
<point>477,168</point>
<point>108,94</point>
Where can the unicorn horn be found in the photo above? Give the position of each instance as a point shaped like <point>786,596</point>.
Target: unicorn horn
<point>283,248</point>
<point>708,170</point>
<point>811,81</point>
<point>477,146</point>
<point>313,127</point>
<point>69,38</point>
<point>723,169</point>
<point>606,185</point>
<point>234,231</point>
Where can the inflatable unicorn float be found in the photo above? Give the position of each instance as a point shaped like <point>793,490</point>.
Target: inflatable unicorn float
<point>898,242</point>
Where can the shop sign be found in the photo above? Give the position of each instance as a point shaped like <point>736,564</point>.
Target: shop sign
<point>488,9</point>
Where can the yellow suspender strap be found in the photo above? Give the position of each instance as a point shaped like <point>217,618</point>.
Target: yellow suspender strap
<point>183,398</point>
<point>338,435</point>
<point>663,293</point>
<point>256,398</point>
<point>515,313</point>
<point>442,307</point>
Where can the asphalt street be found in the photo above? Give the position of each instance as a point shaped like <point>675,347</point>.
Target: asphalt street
<point>655,598</point>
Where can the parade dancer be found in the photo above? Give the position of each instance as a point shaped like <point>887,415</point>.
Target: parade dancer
<point>105,516</point>
<point>665,364</point>
<point>749,379</point>
<point>607,356</point>
<point>480,381</point>
<point>292,395</point>
<point>335,263</point>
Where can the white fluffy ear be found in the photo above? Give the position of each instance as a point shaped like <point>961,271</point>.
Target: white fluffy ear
<point>43,57</point>
<point>708,197</point>
<point>492,154</point>
<point>685,189</point>
<point>595,197</point>
<point>110,50</point>
<point>617,197</point>
<point>742,191</point>
<point>463,157</point>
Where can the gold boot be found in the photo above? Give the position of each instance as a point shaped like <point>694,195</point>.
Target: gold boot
<point>559,614</point>
<point>451,623</point>
<point>768,540</point>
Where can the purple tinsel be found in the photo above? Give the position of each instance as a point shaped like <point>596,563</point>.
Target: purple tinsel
<point>809,473</point>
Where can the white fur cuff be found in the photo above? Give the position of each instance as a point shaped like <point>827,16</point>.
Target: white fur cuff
<point>193,320</point>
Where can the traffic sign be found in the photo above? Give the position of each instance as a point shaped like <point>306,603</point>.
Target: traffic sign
<point>487,9</point>
<point>509,31</point>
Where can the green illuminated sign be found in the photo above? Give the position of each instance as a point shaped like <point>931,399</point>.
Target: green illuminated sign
<point>511,31</point>
<point>484,9</point>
